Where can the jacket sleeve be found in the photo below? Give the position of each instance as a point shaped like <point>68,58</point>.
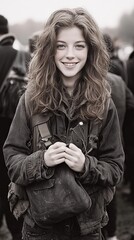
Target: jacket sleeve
<point>23,166</point>
<point>107,168</point>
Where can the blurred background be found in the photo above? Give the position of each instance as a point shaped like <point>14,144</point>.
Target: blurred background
<point>113,17</point>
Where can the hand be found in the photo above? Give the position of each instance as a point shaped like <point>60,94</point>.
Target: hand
<point>55,154</point>
<point>74,158</point>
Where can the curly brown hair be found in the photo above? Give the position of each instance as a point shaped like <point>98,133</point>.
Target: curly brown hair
<point>45,86</point>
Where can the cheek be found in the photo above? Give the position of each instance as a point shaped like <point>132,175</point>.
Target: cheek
<point>59,55</point>
<point>85,54</point>
<point>58,61</point>
<point>82,55</point>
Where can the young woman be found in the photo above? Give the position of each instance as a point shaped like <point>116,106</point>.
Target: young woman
<point>67,84</point>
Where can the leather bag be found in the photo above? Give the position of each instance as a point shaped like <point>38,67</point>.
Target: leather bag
<point>55,199</point>
<point>59,197</point>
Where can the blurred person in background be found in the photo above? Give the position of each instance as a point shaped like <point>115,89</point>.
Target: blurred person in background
<point>124,101</point>
<point>130,70</point>
<point>32,42</point>
<point>7,56</point>
<point>117,66</point>
<point>129,129</point>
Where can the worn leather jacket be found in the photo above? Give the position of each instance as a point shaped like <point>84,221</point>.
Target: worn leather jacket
<point>103,166</point>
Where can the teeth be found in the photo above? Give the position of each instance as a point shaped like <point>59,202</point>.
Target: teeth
<point>69,64</point>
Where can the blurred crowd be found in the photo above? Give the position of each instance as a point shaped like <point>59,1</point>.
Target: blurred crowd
<point>121,79</point>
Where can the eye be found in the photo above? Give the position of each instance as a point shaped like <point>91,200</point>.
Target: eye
<point>61,46</point>
<point>80,46</point>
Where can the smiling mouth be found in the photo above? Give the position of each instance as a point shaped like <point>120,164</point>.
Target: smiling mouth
<point>69,64</point>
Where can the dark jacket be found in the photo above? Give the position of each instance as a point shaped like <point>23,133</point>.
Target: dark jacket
<point>118,67</point>
<point>103,166</point>
<point>130,71</point>
<point>123,99</point>
<point>122,96</point>
<point>7,55</point>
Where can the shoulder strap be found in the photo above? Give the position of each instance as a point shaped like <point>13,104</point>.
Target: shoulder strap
<point>41,122</point>
<point>95,127</point>
<point>45,134</point>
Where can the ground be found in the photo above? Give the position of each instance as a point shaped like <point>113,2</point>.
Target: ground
<point>125,216</point>
<point>125,219</point>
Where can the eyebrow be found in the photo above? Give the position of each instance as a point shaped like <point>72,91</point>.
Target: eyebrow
<point>81,41</point>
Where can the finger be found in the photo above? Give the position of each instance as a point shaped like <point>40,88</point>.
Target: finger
<point>69,163</point>
<point>55,149</point>
<point>70,157</point>
<point>73,147</point>
<point>57,145</point>
<point>61,149</point>
<point>59,161</point>
<point>69,151</point>
<point>59,155</point>
<point>75,151</point>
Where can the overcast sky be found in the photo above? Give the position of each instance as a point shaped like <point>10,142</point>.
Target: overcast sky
<point>107,13</point>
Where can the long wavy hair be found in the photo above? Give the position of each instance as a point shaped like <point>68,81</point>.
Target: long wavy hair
<point>45,88</point>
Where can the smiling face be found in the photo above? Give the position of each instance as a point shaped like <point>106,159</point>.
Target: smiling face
<point>71,55</point>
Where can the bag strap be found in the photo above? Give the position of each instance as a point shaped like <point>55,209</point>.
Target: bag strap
<point>41,122</point>
<point>95,127</point>
<point>45,134</point>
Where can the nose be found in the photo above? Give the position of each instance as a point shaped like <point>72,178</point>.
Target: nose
<point>70,53</point>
